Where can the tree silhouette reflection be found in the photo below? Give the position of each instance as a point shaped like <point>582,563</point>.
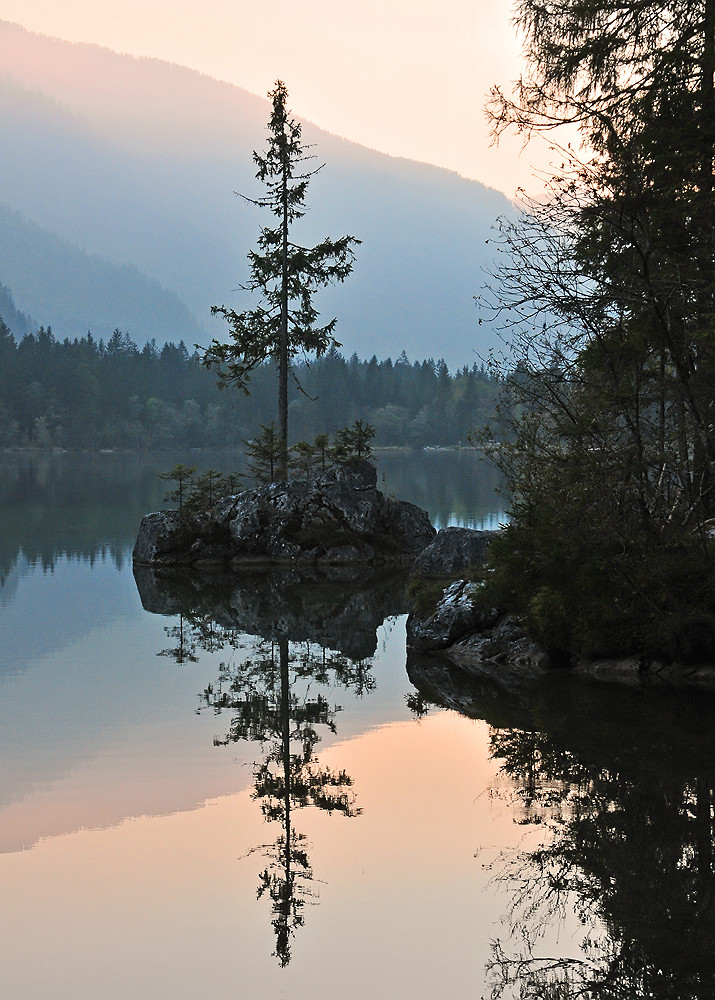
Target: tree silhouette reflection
<point>616,787</point>
<point>195,632</point>
<point>266,707</point>
<point>316,630</point>
<point>633,852</point>
<point>185,649</point>
<point>631,848</point>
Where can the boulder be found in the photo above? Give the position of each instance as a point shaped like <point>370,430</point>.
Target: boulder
<point>167,539</point>
<point>454,617</point>
<point>507,644</point>
<point>453,551</point>
<point>339,517</point>
<point>476,639</point>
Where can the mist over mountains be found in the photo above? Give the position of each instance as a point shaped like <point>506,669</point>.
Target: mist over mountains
<point>117,185</point>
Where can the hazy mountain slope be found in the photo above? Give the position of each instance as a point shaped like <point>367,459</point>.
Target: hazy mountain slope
<point>65,177</point>
<point>137,160</point>
<point>74,292</point>
<point>19,323</point>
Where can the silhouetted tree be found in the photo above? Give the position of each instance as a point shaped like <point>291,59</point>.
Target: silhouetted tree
<point>607,297</point>
<point>353,442</point>
<point>183,476</point>
<point>263,454</point>
<point>285,274</point>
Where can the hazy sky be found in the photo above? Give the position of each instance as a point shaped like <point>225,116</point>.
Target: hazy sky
<point>407,77</point>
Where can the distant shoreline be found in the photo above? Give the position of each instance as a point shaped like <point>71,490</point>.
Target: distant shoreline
<point>378,450</point>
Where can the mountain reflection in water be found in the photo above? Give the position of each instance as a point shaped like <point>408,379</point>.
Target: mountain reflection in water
<point>621,781</point>
<point>315,631</point>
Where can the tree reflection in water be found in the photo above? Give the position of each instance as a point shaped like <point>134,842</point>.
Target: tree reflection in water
<point>620,782</point>
<point>632,846</point>
<point>261,694</point>
<point>185,649</point>
<point>314,630</point>
<point>197,631</point>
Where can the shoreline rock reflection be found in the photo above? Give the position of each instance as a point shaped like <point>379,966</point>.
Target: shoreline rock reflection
<point>339,608</point>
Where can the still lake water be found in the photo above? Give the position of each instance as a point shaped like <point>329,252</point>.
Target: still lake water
<point>240,787</point>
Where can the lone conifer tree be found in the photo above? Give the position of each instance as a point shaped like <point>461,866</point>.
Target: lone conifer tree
<point>284,273</point>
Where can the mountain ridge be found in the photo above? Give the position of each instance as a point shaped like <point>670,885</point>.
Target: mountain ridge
<point>150,182</point>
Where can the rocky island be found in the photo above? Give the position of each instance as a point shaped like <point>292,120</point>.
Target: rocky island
<point>339,517</point>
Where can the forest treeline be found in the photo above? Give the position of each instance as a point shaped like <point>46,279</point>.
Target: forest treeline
<point>88,394</point>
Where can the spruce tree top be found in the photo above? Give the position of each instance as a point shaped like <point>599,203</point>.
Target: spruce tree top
<point>284,273</point>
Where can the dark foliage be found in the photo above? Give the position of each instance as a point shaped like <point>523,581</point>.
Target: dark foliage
<point>88,394</point>
<point>606,295</point>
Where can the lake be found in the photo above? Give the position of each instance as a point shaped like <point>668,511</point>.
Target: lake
<point>239,785</point>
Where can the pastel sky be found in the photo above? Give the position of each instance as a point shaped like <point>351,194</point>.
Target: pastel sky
<point>407,77</point>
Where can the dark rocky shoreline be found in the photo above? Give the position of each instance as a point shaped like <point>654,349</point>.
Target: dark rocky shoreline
<point>487,644</point>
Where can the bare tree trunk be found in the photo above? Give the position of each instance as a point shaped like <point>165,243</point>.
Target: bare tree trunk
<point>283,345</point>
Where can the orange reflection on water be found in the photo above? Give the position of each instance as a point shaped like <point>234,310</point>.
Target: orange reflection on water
<point>165,907</point>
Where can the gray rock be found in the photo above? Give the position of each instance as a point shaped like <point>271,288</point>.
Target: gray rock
<point>454,617</point>
<point>340,517</point>
<point>453,551</point>
<point>163,538</point>
<point>477,640</point>
<point>507,644</point>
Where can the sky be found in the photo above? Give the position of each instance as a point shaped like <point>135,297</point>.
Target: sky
<point>406,77</point>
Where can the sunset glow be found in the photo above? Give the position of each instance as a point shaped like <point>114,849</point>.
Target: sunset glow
<point>121,888</point>
<point>407,79</point>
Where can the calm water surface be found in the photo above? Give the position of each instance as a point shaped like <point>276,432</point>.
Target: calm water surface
<point>240,787</point>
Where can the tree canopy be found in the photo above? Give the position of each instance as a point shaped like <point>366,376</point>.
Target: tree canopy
<point>607,299</point>
<point>623,243</point>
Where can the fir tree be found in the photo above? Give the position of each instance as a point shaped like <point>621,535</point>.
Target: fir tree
<point>284,273</point>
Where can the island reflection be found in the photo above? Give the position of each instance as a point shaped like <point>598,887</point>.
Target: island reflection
<point>313,631</point>
<point>621,783</point>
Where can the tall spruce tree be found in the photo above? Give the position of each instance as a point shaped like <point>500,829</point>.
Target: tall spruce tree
<point>284,273</point>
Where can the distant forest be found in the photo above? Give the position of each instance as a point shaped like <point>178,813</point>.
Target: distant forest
<point>88,394</point>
